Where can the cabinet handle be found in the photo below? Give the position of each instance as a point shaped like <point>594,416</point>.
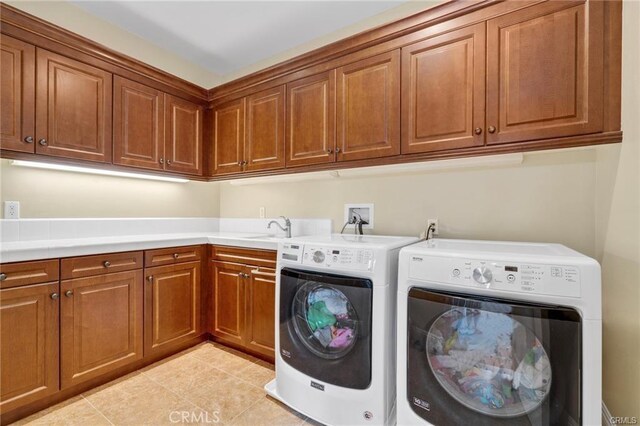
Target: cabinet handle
<point>243,275</point>
<point>43,142</point>
<point>106,263</point>
<point>68,293</point>
<point>28,139</point>
<point>150,278</point>
<point>55,296</point>
<point>161,160</point>
<point>240,163</point>
<point>244,163</point>
<point>329,151</point>
<point>175,255</point>
<point>478,131</point>
<point>168,162</point>
<point>492,129</point>
<point>337,150</point>
<point>3,276</point>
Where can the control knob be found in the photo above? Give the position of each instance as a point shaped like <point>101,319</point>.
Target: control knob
<point>318,256</point>
<point>482,274</point>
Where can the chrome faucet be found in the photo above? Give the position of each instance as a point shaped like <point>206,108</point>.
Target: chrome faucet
<point>287,225</point>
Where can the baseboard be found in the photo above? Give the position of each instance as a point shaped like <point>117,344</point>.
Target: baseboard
<point>606,415</point>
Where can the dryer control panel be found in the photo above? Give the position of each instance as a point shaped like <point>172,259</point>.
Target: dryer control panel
<point>342,258</point>
<point>560,280</point>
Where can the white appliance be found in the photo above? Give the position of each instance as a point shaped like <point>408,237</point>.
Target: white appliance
<point>497,333</point>
<point>335,337</point>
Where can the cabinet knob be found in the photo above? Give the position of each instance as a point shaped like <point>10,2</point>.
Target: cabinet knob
<point>175,255</point>
<point>3,276</point>
<point>329,151</point>
<point>478,131</point>
<point>168,162</point>
<point>54,296</point>
<point>106,263</point>
<point>161,160</point>
<point>150,278</point>
<point>337,150</point>
<point>68,293</point>
<point>28,139</point>
<point>244,163</point>
<point>239,163</point>
<point>43,142</point>
<point>492,129</point>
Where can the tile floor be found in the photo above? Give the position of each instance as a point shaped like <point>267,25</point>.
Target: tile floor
<point>207,384</point>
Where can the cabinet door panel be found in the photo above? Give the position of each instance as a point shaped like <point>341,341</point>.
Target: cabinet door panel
<point>183,145</point>
<point>368,108</point>
<point>73,108</point>
<point>261,312</point>
<point>28,344</point>
<point>138,124</point>
<point>228,300</point>
<point>228,137</point>
<point>545,72</point>
<point>311,136</point>
<point>443,91</point>
<point>101,325</point>
<point>172,306</point>
<point>264,143</point>
<point>17,95</point>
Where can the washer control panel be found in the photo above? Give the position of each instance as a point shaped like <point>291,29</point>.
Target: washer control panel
<point>343,258</point>
<point>561,280</point>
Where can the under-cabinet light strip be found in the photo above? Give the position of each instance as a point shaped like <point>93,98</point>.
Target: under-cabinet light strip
<point>76,169</point>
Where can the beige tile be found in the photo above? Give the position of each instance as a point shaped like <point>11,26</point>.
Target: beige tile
<point>269,412</point>
<point>75,411</point>
<point>256,374</point>
<point>139,401</point>
<point>222,359</point>
<point>180,375</point>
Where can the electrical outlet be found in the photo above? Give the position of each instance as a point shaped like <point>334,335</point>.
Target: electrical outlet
<point>262,212</point>
<point>12,209</point>
<point>436,229</point>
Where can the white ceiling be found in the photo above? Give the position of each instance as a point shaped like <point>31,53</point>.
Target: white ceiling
<point>226,36</point>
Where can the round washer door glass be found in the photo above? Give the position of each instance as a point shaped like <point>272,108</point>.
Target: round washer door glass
<point>324,320</point>
<point>488,361</point>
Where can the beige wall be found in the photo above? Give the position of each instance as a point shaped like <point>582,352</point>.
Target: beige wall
<point>618,236</point>
<point>49,193</point>
<point>73,18</point>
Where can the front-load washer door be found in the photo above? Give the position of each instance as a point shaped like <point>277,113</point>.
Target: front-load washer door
<point>325,326</point>
<point>481,361</point>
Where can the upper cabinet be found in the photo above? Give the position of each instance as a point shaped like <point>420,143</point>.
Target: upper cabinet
<point>17,95</point>
<point>368,108</point>
<point>443,87</point>
<point>183,137</point>
<point>264,141</point>
<point>138,125</point>
<point>310,123</point>
<point>228,138</point>
<point>545,72</point>
<point>73,108</point>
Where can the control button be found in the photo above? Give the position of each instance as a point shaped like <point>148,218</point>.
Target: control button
<point>483,275</point>
<point>335,258</point>
<point>318,256</point>
<point>511,278</point>
<point>456,272</point>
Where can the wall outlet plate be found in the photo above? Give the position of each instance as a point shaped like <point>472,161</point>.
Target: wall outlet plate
<point>12,209</point>
<point>363,210</point>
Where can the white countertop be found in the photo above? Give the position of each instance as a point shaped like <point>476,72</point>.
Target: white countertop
<point>48,249</point>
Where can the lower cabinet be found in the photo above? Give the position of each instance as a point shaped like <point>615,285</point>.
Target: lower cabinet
<point>28,344</point>
<point>101,325</point>
<point>171,306</point>
<point>244,306</point>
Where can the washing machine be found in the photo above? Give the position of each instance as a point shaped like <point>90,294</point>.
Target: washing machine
<point>335,337</point>
<point>498,333</point>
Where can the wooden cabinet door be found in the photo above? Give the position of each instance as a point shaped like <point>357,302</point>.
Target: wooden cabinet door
<point>100,326</point>
<point>17,95</point>
<point>545,72</point>
<point>183,143</point>
<point>443,91</point>
<point>228,137</point>
<point>28,344</point>
<point>138,125</point>
<point>368,108</point>
<point>264,142</point>
<point>310,125</point>
<point>73,109</point>
<point>261,311</point>
<point>228,301</point>
<point>172,306</point>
